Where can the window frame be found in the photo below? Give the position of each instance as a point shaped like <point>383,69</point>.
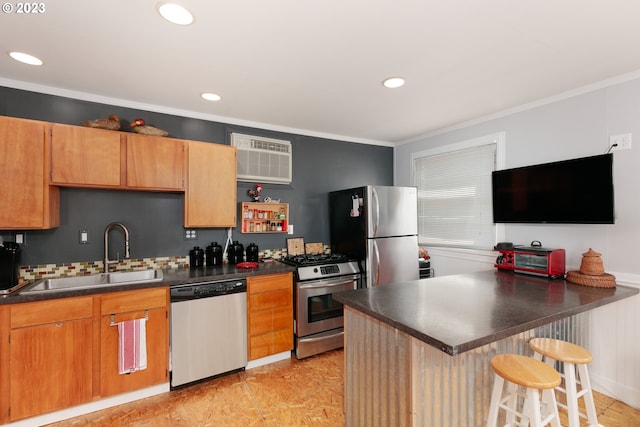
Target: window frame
<point>499,139</point>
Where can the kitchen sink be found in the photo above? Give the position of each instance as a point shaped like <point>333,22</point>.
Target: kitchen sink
<point>94,280</point>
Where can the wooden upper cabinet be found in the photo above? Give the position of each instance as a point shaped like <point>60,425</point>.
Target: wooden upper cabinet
<point>28,201</point>
<point>155,162</point>
<point>210,191</point>
<point>85,157</point>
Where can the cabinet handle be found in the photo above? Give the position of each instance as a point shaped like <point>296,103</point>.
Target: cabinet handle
<point>59,324</point>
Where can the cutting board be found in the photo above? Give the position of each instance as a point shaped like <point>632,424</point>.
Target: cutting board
<point>314,248</point>
<point>295,246</point>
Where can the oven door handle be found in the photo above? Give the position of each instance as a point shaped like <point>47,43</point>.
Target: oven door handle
<point>323,283</point>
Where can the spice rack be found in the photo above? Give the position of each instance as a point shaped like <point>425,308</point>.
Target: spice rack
<point>264,217</point>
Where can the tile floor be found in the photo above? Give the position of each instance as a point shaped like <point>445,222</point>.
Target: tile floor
<point>299,393</point>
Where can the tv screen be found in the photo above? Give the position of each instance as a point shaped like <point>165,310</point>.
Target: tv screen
<point>577,191</point>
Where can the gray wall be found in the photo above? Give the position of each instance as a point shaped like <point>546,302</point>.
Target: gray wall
<point>155,219</point>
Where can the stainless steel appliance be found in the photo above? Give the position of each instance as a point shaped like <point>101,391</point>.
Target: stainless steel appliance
<point>208,329</point>
<point>318,319</point>
<point>378,226</point>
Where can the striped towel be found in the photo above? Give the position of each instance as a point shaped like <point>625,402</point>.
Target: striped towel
<point>132,346</point>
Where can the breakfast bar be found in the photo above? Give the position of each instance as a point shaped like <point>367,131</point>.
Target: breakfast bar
<point>418,353</point>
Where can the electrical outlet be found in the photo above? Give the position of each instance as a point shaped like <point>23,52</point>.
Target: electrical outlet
<point>620,142</point>
<point>20,239</point>
<point>290,229</point>
<point>190,235</point>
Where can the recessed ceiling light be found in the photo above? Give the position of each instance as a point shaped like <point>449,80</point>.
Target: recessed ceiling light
<point>26,58</point>
<point>211,96</point>
<point>175,13</point>
<point>393,82</point>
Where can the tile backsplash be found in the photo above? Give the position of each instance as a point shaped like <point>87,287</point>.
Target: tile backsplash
<point>46,271</point>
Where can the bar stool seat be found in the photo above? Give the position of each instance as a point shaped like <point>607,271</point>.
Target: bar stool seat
<point>572,356</point>
<point>532,375</point>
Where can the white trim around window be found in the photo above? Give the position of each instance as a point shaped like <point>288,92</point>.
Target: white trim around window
<point>497,139</point>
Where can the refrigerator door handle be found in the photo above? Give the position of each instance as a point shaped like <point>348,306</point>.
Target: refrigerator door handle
<point>376,267</point>
<point>375,201</point>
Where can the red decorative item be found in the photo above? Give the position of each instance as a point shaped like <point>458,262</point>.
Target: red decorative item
<point>247,264</point>
<point>255,193</point>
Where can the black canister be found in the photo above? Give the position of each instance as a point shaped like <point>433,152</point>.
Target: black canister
<point>196,257</point>
<point>214,255</point>
<point>235,253</point>
<point>252,252</point>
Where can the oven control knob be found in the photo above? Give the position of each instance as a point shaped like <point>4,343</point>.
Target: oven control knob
<point>315,270</point>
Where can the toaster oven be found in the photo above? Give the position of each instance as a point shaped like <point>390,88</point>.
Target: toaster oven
<point>532,259</point>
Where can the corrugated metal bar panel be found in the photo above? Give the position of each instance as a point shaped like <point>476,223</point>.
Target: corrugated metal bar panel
<point>392,379</point>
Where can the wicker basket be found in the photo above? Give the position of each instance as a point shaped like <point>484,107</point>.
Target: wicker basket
<point>605,280</point>
<point>591,263</point>
<point>592,272</point>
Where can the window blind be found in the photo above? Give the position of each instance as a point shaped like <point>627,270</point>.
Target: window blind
<point>454,197</point>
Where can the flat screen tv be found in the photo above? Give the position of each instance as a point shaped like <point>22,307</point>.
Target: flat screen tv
<point>577,191</point>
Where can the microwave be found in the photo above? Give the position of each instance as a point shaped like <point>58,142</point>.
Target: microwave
<point>534,260</point>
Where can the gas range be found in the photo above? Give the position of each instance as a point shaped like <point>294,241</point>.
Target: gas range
<point>318,266</point>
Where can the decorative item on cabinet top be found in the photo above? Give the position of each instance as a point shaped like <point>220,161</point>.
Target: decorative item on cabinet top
<point>264,217</point>
<point>140,126</point>
<point>110,123</point>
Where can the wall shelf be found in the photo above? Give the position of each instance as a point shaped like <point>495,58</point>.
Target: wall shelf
<point>260,217</point>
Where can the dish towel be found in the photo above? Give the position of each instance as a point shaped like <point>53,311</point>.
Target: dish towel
<point>132,346</point>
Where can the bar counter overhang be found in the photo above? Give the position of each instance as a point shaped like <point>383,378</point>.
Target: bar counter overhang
<point>418,353</point>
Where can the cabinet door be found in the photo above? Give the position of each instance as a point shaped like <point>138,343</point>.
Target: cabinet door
<point>85,157</point>
<point>270,312</point>
<point>155,162</point>
<point>128,306</point>
<point>50,364</point>
<point>210,193</point>
<point>28,202</point>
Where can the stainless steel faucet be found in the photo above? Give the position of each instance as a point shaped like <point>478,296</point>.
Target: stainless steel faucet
<point>107,261</point>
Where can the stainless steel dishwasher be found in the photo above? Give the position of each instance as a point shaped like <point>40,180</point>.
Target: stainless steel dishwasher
<point>208,329</point>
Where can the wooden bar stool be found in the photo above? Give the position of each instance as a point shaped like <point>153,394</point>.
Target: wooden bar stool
<point>534,376</point>
<point>571,356</point>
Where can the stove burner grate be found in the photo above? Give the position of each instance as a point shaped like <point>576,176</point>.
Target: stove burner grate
<point>314,259</point>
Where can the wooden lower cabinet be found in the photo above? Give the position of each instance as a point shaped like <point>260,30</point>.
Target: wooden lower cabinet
<point>129,305</point>
<point>60,353</point>
<point>270,314</point>
<point>50,356</point>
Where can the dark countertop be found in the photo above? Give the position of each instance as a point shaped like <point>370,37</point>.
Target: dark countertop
<point>461,312</point>
<point>171,277</point>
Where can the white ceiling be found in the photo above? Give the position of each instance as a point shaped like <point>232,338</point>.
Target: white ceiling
<point>315,67</point>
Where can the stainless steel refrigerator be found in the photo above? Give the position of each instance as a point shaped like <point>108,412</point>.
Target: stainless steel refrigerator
<point>378,226</point>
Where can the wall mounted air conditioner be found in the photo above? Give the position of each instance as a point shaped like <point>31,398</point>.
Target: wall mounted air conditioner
<point>262,159</point>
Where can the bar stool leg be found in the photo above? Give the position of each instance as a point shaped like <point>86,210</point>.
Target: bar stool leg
<point>532,408</point>
<point>585,382</point>
<point>496,396</point>
<point>572,396</point>
<point>512,403</point>
<point>549,396</point>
